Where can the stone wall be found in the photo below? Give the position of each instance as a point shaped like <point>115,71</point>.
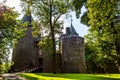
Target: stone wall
<point>23,54</point>
<point>73,54</point>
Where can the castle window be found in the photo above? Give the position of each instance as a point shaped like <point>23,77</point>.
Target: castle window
<point>40,52</point>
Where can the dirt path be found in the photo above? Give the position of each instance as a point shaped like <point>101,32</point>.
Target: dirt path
<point>11,77</point>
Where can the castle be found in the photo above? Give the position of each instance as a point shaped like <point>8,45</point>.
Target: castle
<point>27,54</point>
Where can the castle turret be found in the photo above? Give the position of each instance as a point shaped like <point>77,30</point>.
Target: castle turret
<point>72,31</point>
<point>73,52</point>
<point>23,53</point>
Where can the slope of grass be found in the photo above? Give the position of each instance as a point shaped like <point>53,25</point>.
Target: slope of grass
<point>50,76</point>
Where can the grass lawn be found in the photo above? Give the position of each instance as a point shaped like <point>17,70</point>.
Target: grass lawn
<point>50,76</point>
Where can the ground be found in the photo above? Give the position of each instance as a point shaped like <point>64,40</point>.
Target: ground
<point>9,76</point>
<point>50,76</point>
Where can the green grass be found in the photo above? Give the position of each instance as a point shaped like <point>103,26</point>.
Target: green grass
<point>50,76</point>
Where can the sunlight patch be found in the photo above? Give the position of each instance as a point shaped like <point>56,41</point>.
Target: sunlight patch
<point>47,78</point>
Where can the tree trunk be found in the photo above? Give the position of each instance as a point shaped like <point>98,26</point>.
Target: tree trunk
<point>53,39</point>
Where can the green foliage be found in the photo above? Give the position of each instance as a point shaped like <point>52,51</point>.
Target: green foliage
<point>46,45</point>
<point>85,19</point>
<point>77,7</point>
<point>37,30</point>
<point>10,30</point>
<point>6,66</point>
<point>103,36</point>
<point>78,4</point>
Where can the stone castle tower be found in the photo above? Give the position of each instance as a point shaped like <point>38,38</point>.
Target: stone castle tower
<point>23,54</point>
<point>73,52</point>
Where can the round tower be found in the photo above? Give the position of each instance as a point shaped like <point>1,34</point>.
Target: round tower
<point>23,54</point>
<point>73,52</point>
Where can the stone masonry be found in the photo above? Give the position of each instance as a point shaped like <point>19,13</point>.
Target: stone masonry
<point>73,52</point>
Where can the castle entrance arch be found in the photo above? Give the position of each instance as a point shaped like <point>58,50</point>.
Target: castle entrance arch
<point>40,62</point>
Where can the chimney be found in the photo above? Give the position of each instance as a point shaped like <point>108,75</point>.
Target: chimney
<point>68,31</point>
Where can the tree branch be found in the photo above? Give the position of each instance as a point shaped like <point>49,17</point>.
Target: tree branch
<point>56,19</point>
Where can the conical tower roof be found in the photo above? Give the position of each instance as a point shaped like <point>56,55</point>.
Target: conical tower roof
<point>72,30</point>
<point>27,17</point>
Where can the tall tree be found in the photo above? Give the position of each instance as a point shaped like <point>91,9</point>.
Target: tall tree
<point>48,13</point>
<point>9,31</point>
<point>103,23</point>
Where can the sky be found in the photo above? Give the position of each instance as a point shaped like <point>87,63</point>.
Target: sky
<point>79,27</point>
